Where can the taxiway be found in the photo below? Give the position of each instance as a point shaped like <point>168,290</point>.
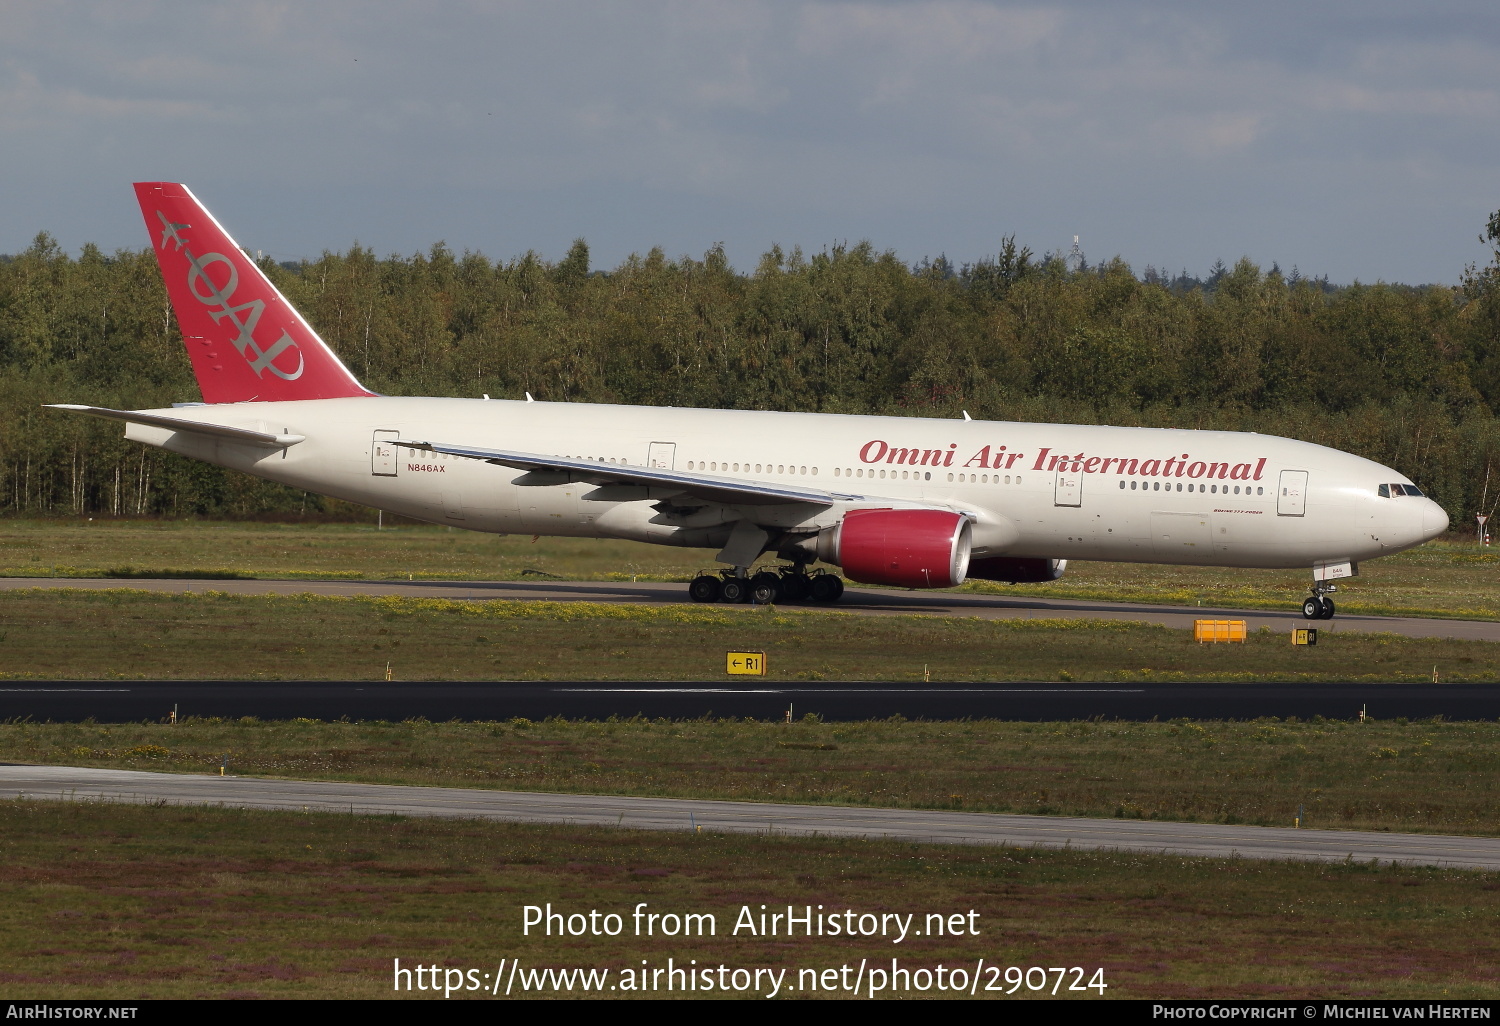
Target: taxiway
<point>917,825</point>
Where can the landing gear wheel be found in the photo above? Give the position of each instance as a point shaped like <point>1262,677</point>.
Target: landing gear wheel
<point>794,587</point>
<point>1312,607</point>
<point>765,589</point>
<point>705,588</point>
<point>734,589</point>
<point>1327,608</point>
<point>826,588</point>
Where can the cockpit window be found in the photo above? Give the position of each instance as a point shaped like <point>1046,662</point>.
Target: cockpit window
<point>1387,491</point>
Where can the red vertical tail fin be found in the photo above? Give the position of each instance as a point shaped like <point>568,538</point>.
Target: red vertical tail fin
<point>246,342</point>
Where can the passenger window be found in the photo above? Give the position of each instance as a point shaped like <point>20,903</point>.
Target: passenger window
<point>1122,484</point>
<point>1132,486</point>
<point>1156,486</point>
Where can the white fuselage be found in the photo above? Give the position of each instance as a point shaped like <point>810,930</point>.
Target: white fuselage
<point>1210,498</point>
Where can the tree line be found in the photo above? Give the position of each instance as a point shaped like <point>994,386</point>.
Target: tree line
<point>1407,376</point>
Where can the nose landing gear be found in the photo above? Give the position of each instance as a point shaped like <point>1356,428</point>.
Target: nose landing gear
<point>1318,606</point>
<point>789,584</point>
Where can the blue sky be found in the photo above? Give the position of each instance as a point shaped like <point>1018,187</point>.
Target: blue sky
<point>1356,139</point>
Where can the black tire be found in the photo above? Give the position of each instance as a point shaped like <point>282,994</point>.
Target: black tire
<point>1328,608</point>
<point>795,587</point>
<point>826,588</point>
<point>705,588</point>
<point>765,588</point>
<point>734,589</point>
<point>1312,608</point>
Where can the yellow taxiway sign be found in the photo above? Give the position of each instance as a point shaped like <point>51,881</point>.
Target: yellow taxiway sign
<point>747,662</point>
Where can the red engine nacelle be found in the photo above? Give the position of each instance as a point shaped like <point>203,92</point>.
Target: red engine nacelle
<point>909,548</point>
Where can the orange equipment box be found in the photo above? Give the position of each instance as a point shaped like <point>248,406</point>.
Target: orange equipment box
<point>1218,630</point>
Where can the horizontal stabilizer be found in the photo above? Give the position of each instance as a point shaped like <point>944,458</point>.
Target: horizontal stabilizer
<point>667,482</point>
<point>235,434</point>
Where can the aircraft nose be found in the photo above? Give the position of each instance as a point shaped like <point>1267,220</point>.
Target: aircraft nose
<point>1434,520</point>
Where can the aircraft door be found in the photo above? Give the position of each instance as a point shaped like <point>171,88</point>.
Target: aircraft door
<point>1291,497</point>
<point>1069,489</point>
<point>661,455</point>
<point>383,457</point>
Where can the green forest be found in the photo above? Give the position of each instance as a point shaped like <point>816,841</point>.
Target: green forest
<point>1408,376</point>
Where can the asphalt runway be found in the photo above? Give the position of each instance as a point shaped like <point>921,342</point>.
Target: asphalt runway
<point>1199,839</point>
<point>134,701</point>
<point>869,601</point>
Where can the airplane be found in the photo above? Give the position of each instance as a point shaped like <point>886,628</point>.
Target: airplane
<point>897,501</point>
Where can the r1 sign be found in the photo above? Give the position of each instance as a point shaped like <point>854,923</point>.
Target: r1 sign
<point>753,663</point>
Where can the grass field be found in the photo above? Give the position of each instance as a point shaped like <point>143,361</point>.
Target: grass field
<point>123,902</point>
<point>136,634</point>
<point>1439,579</point>
<point>1429,776</point>
<point>115,901</point>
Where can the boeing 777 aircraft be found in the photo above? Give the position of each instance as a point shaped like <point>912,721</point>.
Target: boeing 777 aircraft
<point>908,502</point>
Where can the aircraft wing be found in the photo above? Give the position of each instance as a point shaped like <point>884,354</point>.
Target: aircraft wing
<point>663,482</point>
<point>234,434</point>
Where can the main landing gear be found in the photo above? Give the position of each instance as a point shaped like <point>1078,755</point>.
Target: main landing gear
<point>788,584</point>
<point>1318,606</point>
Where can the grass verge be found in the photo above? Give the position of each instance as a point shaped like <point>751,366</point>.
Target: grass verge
<point>128,633</point>
<point>107,901</point>
<point>1392,775</point>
